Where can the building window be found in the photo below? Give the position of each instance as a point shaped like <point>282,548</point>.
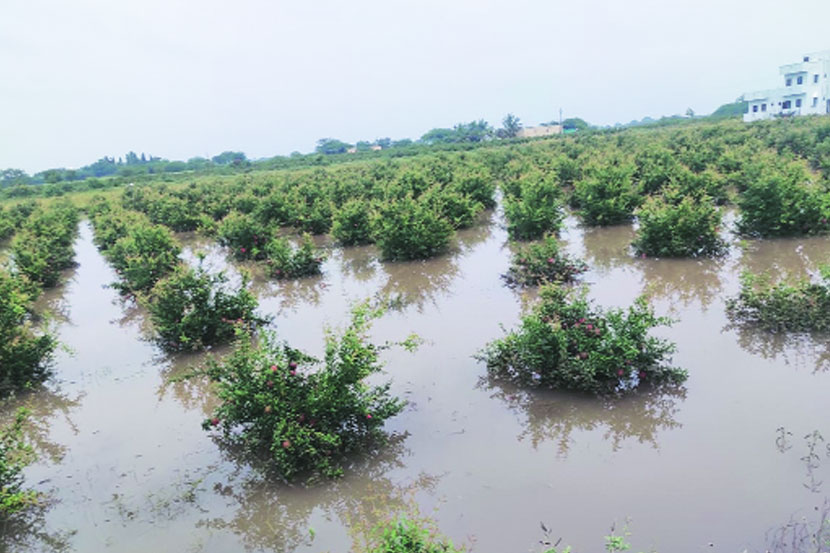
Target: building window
<point>799,80</point>
<point>789,82</point>
<point>798,102</point>
<point>755,108</point>
<point>763,107</point>
<point>815,101</point>
<point>815,78</point>
<point>786,105</point>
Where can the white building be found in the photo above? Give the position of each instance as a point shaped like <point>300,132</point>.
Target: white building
<point>806,91</point>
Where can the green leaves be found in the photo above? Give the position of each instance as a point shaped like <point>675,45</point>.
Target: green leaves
<point>673,225</point>
<point>793,307</point>
<point>407,229</point>
<point>15,455</point>
<point>24,354</point>
<point>533,207</point>
<point>566,343</point>
<point>608,196</point>
<point>193,309</point>
<point>305,414</point>
<point>542,262</point>
<point>285,261</point>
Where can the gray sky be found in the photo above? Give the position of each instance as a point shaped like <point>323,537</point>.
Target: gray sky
<point>177,79</point>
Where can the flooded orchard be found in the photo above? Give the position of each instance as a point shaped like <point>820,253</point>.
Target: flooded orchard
<point>723,463</point>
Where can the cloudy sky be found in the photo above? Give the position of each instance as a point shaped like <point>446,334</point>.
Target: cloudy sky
<point>178,79</point>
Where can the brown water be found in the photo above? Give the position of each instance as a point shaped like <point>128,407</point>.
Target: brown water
<point>128,467</point>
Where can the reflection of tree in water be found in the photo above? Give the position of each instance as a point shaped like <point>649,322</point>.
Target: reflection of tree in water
<point>133,314</point>
<point>788,258</point>
<point>467,239</point>
<point>359,262</point>
<point>608,247</point>
<point>554,416</point>
<point>192,393</point>
<point>296,293</point>
<point>26,530</point>
<point>797,349</point>
<point>274,516</point>
<point>683,280</point>
<point>419,282</point>
<point>44,405</point>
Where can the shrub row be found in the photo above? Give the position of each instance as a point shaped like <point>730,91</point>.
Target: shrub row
<point>189,307</point>
<point>431,197</point>
<point>42,247</point>
<point>25,351</point>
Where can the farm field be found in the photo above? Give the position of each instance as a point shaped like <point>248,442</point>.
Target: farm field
<point>730,458</point>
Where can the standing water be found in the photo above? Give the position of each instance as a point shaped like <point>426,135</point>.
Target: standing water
<point>721,464</point>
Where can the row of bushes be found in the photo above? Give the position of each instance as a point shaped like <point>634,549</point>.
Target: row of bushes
<point>12,218</point>
<point>661,175</point>
<point>410,209</point>
<point>42,246</point>
<point>41,249</point>
<point>248,238</point>
<point>190,308</point>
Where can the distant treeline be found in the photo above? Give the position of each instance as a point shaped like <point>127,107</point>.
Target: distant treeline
<point>109,172</point>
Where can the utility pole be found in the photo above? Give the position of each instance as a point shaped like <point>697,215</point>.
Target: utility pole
<point>560,119</point>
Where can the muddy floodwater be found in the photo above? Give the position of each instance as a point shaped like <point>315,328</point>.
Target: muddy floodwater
<point>721,464</point>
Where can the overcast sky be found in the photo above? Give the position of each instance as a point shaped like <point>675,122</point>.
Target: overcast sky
<point>177,79</point>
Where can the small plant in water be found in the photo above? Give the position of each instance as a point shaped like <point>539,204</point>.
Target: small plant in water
<point>543,262</point>
<point>287,262</point>
<point>679,226</point>
<point>192,309</point>
<point>15,455</point>
<point>804,306</point>
<point>403,535</point>
<point>566,343</point>
<point>305,416</point>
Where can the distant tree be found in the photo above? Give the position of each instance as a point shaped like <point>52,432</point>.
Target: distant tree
<point>228,157</point>
<point>13,177</point>
<point>575,123</point>
<point>103,167</point>
<point>331,146</point>
<point>51,176</point>
<point>295,154</point>
<point>384,142</point>
<point>690,113</point>
<point>511,125</point>
<point>402,143</point>
<point>196,163</point>
<point>363,146</point>
<point>131,158</point>
<point>438,136</point>
<point>174,166</point>
<point>474,131</point>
